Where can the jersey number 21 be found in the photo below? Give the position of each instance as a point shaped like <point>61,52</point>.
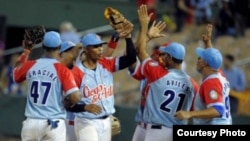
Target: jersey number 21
<point>171,95</point>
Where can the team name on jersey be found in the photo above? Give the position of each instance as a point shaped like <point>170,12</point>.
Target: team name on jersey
<point>175,83</point>
<point>99,92</point>
<point>42,73</point>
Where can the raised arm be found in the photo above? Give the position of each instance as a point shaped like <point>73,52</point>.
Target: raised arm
<point>206,38</point>
<point>144,19</point>
<point>153,32</point>
<point>111,45</point>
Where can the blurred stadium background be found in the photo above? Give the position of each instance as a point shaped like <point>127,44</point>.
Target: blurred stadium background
<point>87,16</point>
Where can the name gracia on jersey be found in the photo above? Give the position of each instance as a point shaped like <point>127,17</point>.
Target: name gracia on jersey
<point>99,92</point>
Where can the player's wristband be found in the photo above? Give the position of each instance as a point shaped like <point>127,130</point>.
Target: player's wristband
<point>24,56</point>
<point>113,41</point>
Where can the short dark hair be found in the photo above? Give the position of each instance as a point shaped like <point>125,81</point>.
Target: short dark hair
<point>177,61</point>
<point>229,57</point>
<point>49,49</point>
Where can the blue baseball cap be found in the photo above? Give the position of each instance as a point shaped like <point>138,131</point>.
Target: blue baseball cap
<point>91,39</point>
<point>52,39</point>
<point>70,36</point>
<point>174,49</point>
<point>212,56</point>
<point>66,45</point>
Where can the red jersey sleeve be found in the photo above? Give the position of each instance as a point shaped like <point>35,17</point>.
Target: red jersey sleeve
<point>136,74</point>
<point>66,78</point>
<point>78,75</point>
<point>109,63</point>
<point>211,92</point>
<point>152,71</point>
<point>19,73</point>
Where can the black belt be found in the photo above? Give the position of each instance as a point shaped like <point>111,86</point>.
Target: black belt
<point>103,117</point>
<point>144,125</point>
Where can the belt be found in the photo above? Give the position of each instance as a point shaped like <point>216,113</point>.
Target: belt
<point>145,125</point>
<point>71,122</point>
<point>103,117</point>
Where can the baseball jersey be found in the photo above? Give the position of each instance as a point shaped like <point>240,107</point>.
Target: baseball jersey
<point>168,91</point>
<point>214,91</point>
<point>48,82</point>
<point>96,86</point>
<point>144,85</point>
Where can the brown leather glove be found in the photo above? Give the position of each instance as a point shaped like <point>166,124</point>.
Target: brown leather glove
<point>119,23</point>
<point>33,35</point>
<point>116,125</point>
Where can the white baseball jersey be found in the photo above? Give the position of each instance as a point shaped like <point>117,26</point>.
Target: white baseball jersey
<point>214,91</point>
<point>47,81</point>
<point>169,91</point>
<point>96,86</point>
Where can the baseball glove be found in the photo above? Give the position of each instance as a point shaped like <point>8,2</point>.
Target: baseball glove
<point>113,16</point>
<point>35,35</point>
<point>119,23</point>
<point>116,125</point>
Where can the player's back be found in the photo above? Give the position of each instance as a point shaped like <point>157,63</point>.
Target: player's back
<point>171,93</point>
<point>213,91</point>
<point>44,98</point>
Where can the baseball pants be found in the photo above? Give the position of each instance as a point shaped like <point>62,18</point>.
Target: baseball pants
<point>151,132</point>
<point>70,131</point>
<point>93,129</point>
<point>40,130</point>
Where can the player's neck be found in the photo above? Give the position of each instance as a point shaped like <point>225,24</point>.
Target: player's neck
<point>207,73</point>
<point>175,66</point>
<point>90,64</point>
<point>53,55</point>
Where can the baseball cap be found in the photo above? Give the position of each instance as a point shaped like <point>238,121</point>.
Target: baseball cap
<point>52,39</point>
<point>66,45</point>
<point>91,39</point>
<point>70,36</point>
<point>174,49</point>
<point>212,56</point>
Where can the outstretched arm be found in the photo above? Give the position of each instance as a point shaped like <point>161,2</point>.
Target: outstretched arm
<point>206,38</point>
<point>153,32</point>
<point>25,55</point>
<point>144,19</point>
<point>111,45</point>
<point>130,57</point>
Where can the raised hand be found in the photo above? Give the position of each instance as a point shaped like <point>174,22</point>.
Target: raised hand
<point>156,29</point>
<point>126,29</point>
<point>144,17</point>
<point>207,36</point>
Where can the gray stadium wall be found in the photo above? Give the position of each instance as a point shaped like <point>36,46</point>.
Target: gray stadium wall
<point>84,14</point>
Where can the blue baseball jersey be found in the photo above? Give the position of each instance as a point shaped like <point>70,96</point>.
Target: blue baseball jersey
<point>96,86</point>
<point>214,91</point>
<point>169,91</point>
<point>48,82</point>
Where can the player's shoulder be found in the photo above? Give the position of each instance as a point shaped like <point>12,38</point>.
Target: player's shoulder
<point>29,63</point>
<point>104,60</point>
<point>60,67</point>
<point>210,82</point>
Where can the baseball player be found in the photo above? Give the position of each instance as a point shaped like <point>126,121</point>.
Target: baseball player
<point>95,80</point>
<point>69,50</point>
<point>169,90</point>
<point>212,105</point>
<point>47,80</point>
